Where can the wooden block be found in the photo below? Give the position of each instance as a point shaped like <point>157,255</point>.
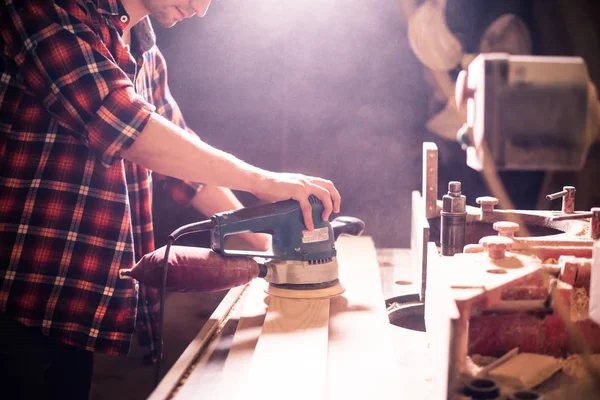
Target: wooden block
<point>419,238</point>
<point>594,310</point>
<point>429,189</point>
<point>441,318</point>
<point>525,370</point>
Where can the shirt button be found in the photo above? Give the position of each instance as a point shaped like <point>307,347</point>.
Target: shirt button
<point>124,19</point>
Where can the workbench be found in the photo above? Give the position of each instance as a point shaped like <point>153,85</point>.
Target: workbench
<point>218,360</point>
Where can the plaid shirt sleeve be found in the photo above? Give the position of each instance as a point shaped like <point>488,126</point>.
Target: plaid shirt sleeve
<point>69,67</point>
<point>182,192</point>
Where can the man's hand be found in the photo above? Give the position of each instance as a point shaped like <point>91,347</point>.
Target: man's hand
<point>283,186</point>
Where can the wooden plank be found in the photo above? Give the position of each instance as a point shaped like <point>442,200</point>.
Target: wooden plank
<point>244,342</point>
<point>594,309</point>
<point>441,317</point>
<point>290,360</point>
<point>360,363</point>
<point>203,378</point>
<point>419,238</point>
<point>429,189</point>
<point>318,348</point>
<point>192,352</point>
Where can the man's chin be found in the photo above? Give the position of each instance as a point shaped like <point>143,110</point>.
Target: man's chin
<point>166,23</point>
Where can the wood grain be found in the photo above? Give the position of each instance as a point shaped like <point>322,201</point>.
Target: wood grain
<point>339,348</point>
<point>360,362</point>
<point>244,342</point>
<point>201,340</point>
<point>290,360</point>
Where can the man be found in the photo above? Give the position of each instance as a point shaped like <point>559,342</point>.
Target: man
<point>85,115</point>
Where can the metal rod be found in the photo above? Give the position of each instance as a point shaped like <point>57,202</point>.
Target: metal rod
<point>573,216</point>
<point>556,195</point>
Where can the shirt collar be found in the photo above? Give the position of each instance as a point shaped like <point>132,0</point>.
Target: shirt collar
<point>145,34</point>
<point>143,30</point>
<point>110,7</point>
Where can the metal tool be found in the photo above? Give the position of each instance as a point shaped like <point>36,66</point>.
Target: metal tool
<point>453,220</point>
<point>568,199</point>
<point>529,112</point>
<point>300,259</point>
<point>496,295</point>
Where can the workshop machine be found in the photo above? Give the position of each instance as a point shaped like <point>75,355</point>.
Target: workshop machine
<point>494,280</point>
<point>529,112</point>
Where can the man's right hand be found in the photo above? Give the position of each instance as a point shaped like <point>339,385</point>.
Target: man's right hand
<point>283,186</point>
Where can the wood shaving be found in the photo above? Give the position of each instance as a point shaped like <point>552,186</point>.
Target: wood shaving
<point>580,303</point>
<point>482,361</point>
<point>574,366</point>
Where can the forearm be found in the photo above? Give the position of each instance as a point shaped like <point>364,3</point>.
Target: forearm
<point>211,199</point>
<point>167,149</point>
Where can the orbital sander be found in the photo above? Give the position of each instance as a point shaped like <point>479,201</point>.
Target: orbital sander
<point>300,264</point>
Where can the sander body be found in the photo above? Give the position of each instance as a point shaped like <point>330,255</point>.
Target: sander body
<point>299,259</point>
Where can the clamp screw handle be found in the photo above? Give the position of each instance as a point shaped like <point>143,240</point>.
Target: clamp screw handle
<point>506,228</point>
<point>496,246</point>
<point>568,195</point>
<point>595,223</point>
<point>487,203</point>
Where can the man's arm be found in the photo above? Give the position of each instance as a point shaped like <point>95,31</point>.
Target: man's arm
<point>167,149</point>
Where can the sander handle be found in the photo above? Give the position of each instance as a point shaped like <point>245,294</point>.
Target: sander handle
<point>350,226</point>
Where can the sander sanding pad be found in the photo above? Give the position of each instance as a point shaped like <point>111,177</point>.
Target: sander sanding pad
<point>288,293</point>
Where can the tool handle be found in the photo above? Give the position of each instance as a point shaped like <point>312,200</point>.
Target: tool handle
<point>350,226</point>
<point>283,220</point>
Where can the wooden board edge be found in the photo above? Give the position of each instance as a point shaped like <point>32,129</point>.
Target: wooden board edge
<point>171,380</point>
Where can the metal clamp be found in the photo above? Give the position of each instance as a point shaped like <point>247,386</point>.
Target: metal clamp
<point>594,216</point>
<point>487,204</point>
<point>568,199</point>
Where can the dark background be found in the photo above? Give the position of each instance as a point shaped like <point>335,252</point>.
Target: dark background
<point>332,88</point>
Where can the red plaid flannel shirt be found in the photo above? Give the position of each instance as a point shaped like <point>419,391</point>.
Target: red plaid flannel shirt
<point>72,211</point>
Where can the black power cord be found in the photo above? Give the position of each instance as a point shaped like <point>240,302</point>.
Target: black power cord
<point>177,233</point>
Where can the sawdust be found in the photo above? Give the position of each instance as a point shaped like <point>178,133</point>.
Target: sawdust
<point>580,303</point>
<point>550,261</point>
<point>482,361</point>
<point>574,366</point>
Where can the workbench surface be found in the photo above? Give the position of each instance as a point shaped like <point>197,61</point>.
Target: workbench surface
<point>200,368</point>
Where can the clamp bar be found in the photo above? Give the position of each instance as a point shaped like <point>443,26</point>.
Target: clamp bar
<point>568,195</point>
